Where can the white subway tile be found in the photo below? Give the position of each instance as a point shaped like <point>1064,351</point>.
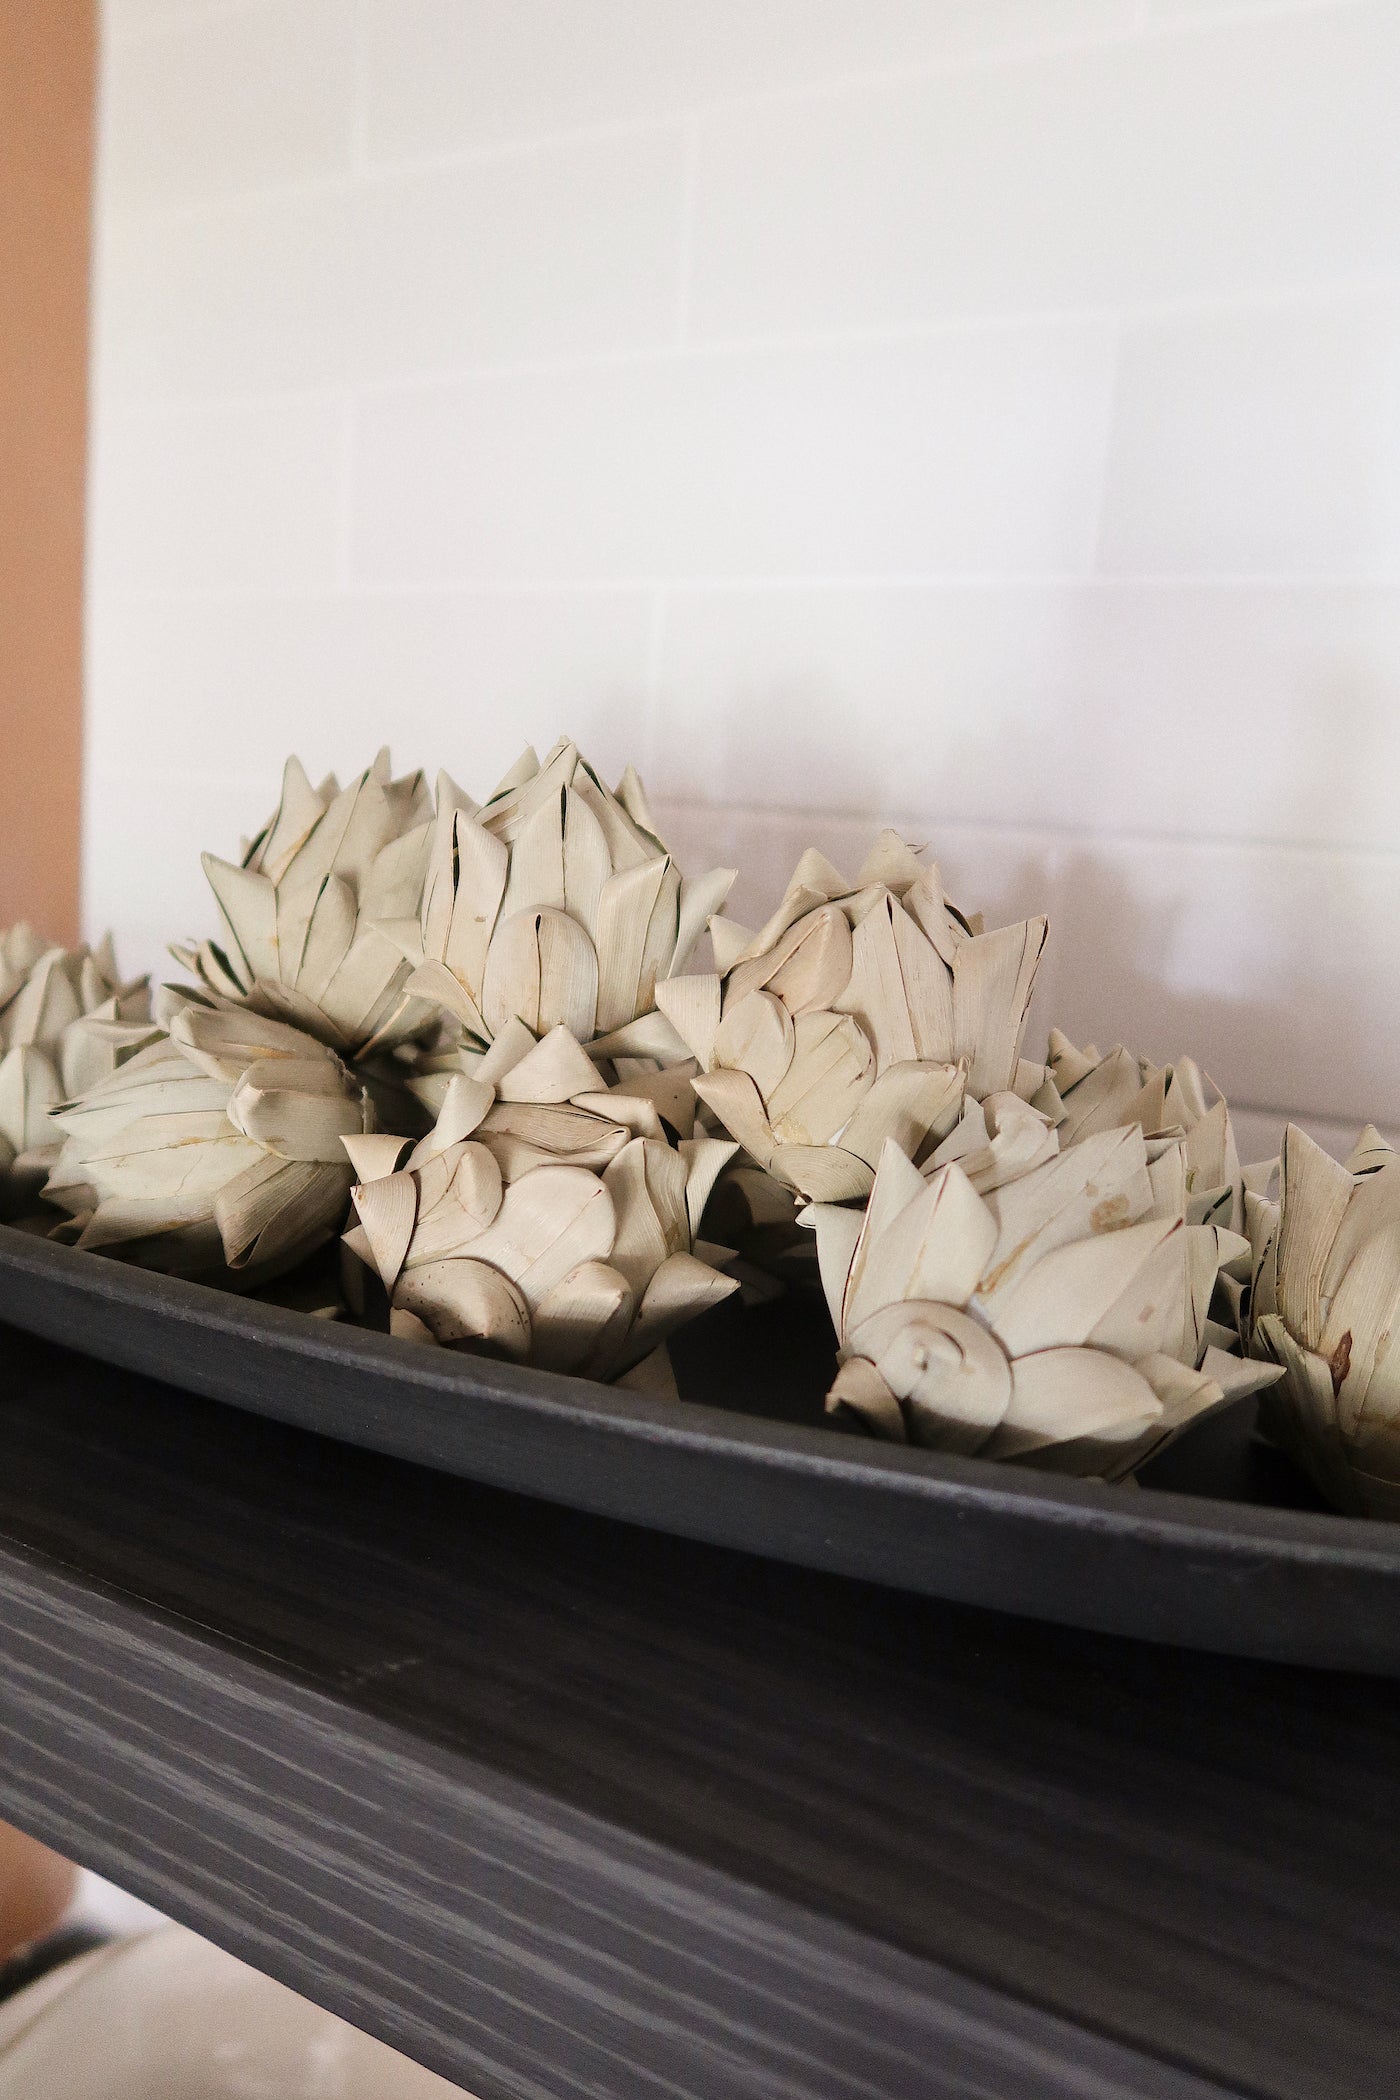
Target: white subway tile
<point>556,253</point>
<point>966,453</point>
<point>1248,155</point>
<point>284,670</point>
<point>246,496</point>
<point>552,253</point>
<point>1263,442</point>
<point>1207,711</point>
<point>868,697</point>
<point>243,296</point>
<point>457,680</point>
<point>444,75</point>
<point>225,101</point>
<point>478,675</point>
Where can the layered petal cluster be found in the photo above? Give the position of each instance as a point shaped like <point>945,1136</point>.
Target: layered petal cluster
<point>1061,1317</point>
<point>557,904</point>
<point>861,1012</point>
<point>214,1152</point>
<point>1184,1118</point>
<point>1325,1305</point>
<point>545,1217</point>
<point>305,911</point>
<point>67,1020</point>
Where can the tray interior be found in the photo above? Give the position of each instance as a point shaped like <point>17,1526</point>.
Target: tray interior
<point>776,1362</point>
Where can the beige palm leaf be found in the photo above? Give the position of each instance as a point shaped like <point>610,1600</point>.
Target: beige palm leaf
<point>1183,1116</point>
<point>305,911</point>
<point>214,1152</point>
<point>1325,1305</point>
<point>861,1012</point>
<point>1059,1318</point>
<point>67,1020</point>
<point>546,1217</point>
<point>557,904</point>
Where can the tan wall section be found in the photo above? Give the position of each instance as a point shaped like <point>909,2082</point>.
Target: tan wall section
<point>47,68</point>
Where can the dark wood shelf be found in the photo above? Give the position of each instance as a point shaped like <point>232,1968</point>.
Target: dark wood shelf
<point>564,1808</point>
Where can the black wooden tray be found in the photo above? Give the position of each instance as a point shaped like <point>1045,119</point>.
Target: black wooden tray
<point>1221,1551</point>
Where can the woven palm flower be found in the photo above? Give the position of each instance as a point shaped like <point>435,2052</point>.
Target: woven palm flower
<point>559,905</point>
<point>1325,1305</point>
<point>214,1152</point>
<point>1185,1119</point>
<point>66,1021</point>
<point>1059,1318</point>
<point>545,1217</point>
<point>304,911</point>
<point>860,1012</point>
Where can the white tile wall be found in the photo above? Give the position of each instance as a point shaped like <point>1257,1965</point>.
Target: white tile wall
<point>962,453</point>
<point>227,98</point>
<point>977,414</point>
<point>448,75</point>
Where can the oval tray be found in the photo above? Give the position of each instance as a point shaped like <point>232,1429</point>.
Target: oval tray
<point>1210,1556</point>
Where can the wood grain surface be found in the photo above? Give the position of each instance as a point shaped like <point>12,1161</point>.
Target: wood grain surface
<point>47,72</point>
<point>564,1808</point>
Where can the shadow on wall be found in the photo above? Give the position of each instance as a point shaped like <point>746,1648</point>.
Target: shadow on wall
<point>1263,960</point>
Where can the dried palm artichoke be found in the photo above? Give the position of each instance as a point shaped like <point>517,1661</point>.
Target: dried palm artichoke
<point>545,1217</point>
<point>214,1152</point>
<point>1325,1304</point>
<point>556,904</point>
<point>66,1021</point>
<point>306,908</point>
<point>1184,1118</point>
<point>1058,1318</point>
<point>861,1012</point>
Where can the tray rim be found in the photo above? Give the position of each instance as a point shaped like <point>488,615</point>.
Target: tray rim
<point>43,1283</point>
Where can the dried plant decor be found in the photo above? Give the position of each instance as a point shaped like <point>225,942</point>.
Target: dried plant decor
<point>1325,1305</point>
<point>1058,1317</point>
<point>545,1217</point>
<point>530,1093</point>
<point>214,1152</point>
<point>67,1020</point>
<point>861,1012</point>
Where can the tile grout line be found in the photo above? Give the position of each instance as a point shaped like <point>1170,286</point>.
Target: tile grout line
<point>1380,286</point>
<point>766,816</point>
<point>1093,566</point>
<point>869,582</point>
<point>685,237</point>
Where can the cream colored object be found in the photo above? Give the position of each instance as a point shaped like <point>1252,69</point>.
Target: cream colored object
<point>214,1152</point>
<point>169,2017</point>
<point>1184,1118</point>
<point>67,1020</point>
<point>1325,1305</point>
<point>556,904</point>
<point>862,1012</point>
<point>1060,1318</point>
<point>545,1218</point>
<point>310,911</point>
